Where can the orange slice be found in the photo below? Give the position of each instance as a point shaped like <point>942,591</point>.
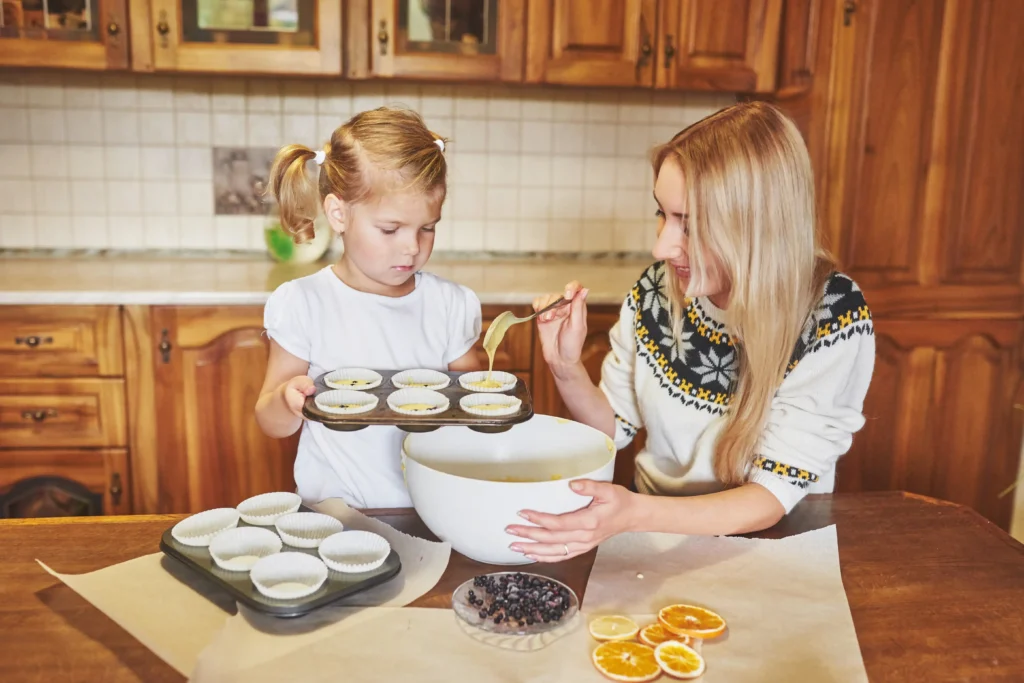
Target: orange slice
<point>655,634</point>
<point>689,620</point>
<point>626,661</point>
<point>679,660</point>
<point>613,628</point>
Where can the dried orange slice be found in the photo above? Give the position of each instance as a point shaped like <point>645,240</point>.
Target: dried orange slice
<point>679,660</point>
<point>689,620</point>
<point>655,634</point>
<point>626,661</point>
<point>613,628</point>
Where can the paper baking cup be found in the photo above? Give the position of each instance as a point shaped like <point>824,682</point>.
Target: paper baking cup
<point>421,379</point>
<point>353,552</point>
<point>507,379</point>
<point>329,400</point>
<point>336,379</point>
<point>264,509</point>
<point>306,529</point>
<point>509,404</point>
<point>238,549</point>
<point>402,397</point>
<point>200,528</point>
<point>288,576</point>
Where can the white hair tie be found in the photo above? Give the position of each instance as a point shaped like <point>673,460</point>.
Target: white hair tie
<point>319,158</point>
<point>440,143</point>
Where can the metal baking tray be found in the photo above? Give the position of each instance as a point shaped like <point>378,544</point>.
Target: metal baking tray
<point>337,586</point>
<point>453,417</point>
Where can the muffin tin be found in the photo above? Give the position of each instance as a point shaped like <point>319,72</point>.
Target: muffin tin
<point>239,584</point>
<point>453,415</point>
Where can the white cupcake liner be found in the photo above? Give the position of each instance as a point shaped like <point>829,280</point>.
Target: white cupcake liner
<point>330,402</point>
<point>238,549</point>
<point>353,552</point>
<point>404,397</point>
<point>288,576</point>
<point>264,509</point>
<point>507,379</point>
<point>202,527</point>
<point>336,378</point>
<point>509,404</point>
<point>421,379</point>
<point>306,529</point>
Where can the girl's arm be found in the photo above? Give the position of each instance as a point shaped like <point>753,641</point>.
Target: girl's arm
<point>285,388</point>
<point>468,362</point>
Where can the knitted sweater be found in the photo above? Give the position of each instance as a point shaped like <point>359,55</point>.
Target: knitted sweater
<point>679,391</point>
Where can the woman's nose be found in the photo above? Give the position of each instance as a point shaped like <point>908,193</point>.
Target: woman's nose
<point>666,248</point>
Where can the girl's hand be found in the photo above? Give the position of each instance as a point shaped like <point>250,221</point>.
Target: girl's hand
<point>609,513</point>
<point>295,392</point>
<point>563,330</point>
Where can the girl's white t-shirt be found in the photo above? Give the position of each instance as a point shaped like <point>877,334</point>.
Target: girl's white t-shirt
<point>322,320</point>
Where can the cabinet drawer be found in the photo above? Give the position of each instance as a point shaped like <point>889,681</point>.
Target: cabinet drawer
<point>64,483</point>
<point>60,341</point>
<point>47,413</point>
<point>516,348</point>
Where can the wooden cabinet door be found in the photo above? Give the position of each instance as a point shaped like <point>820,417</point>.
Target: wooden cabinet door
<point>439,39</point>
<point>94,38</point>
<point>193,389</point>
<point>303,37</point>
<point>60,341</point>
<point>940,418</point>
<point>725,45</point>
<point>63,483</point>
<point>591,42</point>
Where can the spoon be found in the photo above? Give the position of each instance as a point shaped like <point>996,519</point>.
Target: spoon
<point>503,321</point>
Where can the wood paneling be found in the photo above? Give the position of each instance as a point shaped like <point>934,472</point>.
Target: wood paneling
<point>724,45</point>
<point>60,341</point>
<point>108,51</point>
<point>939,413</point>
<point>40,413</point>
<point>582,42</point>
<point>798,46</point>
<point>103,472</point>
<point>209,450</point>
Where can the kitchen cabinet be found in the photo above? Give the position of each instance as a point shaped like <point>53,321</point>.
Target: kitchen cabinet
<point>603,42</point>
<point>719,45</point>
<point>304,37</point>
<point>36,34</point>
<point>461,40</point>
<point>63,427</point>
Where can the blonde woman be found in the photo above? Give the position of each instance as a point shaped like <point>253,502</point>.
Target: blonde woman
<point>742,351</point>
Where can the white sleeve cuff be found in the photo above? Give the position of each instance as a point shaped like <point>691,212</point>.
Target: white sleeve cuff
<point>624,433</point>
<point>788,494</point>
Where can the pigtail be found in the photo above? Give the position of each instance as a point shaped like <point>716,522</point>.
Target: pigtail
<point>297,195</point>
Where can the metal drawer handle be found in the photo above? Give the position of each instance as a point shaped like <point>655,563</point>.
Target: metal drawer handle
<point>32,341</point>
<point>38,415</point>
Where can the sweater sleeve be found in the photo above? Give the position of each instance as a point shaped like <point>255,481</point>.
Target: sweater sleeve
<point>617,375</point>
<point>815,413</point>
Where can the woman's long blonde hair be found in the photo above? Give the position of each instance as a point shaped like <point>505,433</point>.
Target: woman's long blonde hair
<point>750,198</point>
<point>373,152</point>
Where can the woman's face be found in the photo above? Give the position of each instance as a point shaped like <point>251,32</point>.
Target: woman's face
<point>673,243</point>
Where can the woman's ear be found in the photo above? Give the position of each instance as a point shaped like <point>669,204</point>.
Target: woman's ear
<point>336,211</point>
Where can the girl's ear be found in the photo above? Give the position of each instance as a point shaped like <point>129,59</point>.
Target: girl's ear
<point>336,211</point>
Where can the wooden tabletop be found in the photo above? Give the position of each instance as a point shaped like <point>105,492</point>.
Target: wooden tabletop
<point>936,591</point>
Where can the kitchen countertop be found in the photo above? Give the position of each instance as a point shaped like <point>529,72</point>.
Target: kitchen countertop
<point>936,591</point>
<point>174,280</point>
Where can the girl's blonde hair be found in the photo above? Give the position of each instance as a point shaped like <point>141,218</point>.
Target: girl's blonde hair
<point>375,152</point>
<point>750,198</point>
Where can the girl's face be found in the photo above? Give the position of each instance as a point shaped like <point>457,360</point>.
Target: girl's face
<point>673,243</point>
<point>387,239</point>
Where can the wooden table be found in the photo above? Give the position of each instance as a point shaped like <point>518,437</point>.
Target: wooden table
<point>936,591</point>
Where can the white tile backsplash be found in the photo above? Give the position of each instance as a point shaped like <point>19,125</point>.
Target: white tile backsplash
<point>124,161</point>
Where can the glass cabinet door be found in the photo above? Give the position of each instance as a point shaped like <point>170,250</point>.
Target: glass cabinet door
<point>267,36</point>
<point>83,34</point>
<point>447,39</point>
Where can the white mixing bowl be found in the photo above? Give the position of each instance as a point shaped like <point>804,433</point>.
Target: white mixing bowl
<point>467,486</point>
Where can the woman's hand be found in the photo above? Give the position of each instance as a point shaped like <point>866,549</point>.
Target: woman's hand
<point>563,330</point>
<point>295,391</point>
<point>560,537</point>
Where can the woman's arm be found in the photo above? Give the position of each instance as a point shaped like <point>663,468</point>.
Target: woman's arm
<point>285,388</point>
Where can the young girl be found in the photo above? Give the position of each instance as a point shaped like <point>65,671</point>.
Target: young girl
<point>742,351</point>
<point>380,183</point>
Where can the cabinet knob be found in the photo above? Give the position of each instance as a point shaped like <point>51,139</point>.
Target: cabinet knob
<point>113,29</point>
<point>165,347</point>
<point>849,7</point>
<point>383,37</point>
<point>38,415</point>
<point>670,51</point>
<point>115,488</point>
<point>32,341</point>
